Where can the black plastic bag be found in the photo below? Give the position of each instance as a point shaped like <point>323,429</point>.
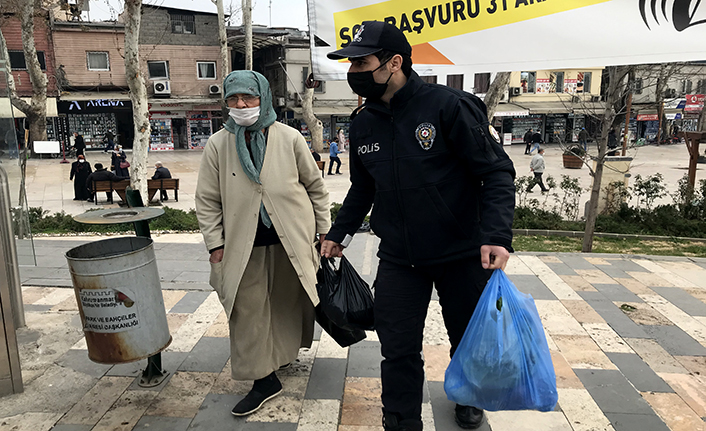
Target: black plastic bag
<point>345,297</point>
<point>344,337</point>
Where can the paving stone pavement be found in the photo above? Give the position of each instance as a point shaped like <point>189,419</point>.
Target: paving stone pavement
<point>627,334</point>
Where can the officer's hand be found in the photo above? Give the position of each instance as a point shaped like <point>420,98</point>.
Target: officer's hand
<point>216,256</point>
<point>494,256</point>
<point>331,249</point>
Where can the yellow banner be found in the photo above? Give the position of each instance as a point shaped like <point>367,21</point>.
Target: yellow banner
<point>425,21</point>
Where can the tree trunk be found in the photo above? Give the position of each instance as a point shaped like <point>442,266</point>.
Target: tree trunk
<point>247,26</point>
<point>316,128</point>
<point>37,116</point>
<point>662,80</point>
<point>225,60</point>
<point>616,90</point>
<point>138,97</point>
<point>702,121</point>
<point>497,89</point>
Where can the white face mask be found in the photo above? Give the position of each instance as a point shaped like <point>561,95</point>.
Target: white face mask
<point>246,116</point>
<point>81,160</point>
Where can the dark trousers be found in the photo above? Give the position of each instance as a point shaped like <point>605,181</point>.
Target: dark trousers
<point>330,166</point>
<point>163,195</point>
<point>527,147</point>
<point>402,295</point>
<point>537,180</point>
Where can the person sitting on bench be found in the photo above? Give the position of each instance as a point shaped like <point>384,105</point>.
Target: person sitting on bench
<point>161,173</point>
<point>101,174</point>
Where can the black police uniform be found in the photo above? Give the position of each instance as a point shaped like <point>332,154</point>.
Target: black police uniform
<point>440,185</point>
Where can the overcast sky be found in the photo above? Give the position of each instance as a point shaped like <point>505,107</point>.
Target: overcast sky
<point>285,13</point>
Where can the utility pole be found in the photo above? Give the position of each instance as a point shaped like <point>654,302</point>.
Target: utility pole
<point>247,26</point>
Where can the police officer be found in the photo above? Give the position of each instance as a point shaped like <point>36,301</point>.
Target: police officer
<point>441,187</point>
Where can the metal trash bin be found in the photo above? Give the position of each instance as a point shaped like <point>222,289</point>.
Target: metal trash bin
<point>119,297</point>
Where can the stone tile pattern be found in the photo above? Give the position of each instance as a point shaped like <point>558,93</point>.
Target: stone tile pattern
<point>627,353</point>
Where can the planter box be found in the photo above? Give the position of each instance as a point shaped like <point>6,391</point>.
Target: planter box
<point>572,162</point>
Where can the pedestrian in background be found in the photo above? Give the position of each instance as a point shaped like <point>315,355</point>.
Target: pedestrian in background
<point>583,138</point>
<point>536,141</point>
<point>528,141</point>
<point>161,172</point>
<point>333,157</point>
<point>537,167</point>
<point>119,163</point>
<point>80,170</point>
<point>109,141</point>
<point>259,222</point>
<point>79,144</point>
<point>444,198</point>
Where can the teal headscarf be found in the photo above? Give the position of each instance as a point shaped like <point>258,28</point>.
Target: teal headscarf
<point>249,82</point>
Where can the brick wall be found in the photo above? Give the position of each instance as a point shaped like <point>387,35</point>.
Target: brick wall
<point>182,67</point>
<point>12,31</point>
<point>156,29</point>
<point>72,44</point>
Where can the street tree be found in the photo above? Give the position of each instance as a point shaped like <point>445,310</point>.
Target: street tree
<point>138,96</point>
<point>223,41</point>
<point>495,93</point>
<point>615,97</point>
<point>316,127</point>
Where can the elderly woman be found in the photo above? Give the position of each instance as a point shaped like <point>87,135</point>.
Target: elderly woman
<point>260,201</point>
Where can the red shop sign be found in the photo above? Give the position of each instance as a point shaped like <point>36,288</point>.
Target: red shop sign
<point>694,102</point>
<point>648,117</point>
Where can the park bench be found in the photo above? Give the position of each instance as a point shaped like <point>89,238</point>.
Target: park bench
<point>119,187</point>
<point>109,187</point>
<point>321,165</point>
<point>162,184</point>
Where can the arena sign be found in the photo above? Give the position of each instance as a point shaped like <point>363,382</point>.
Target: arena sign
<point>497,35</point>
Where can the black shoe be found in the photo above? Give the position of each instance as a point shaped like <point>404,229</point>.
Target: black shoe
<point>262,391</point>
<point>329,173</point>
<point>392,422</point>
<point>338,173</point>
<point>468,418</point>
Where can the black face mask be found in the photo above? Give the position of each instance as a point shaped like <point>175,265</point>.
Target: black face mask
<point>364,85</point>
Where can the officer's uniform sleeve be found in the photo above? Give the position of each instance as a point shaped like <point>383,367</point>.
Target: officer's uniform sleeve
<point>358,201</point>
<point>470,136</point>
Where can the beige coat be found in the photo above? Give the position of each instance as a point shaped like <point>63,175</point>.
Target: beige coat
<point>228,204</point>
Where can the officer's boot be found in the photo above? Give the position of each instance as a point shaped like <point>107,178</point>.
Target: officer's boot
<point>392,422</point>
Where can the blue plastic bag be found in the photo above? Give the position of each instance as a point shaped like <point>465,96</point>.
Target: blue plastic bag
<point>503,361</point>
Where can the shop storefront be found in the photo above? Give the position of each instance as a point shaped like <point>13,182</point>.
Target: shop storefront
<point>556,128</point>
<point>181,125</point>
<point>333,124</point>
<point>518,126</point>
<point>93,118</point>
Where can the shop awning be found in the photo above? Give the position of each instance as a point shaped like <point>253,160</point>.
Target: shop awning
<point>510,110</point>
<point>6,111</point>
<point>95,95</point>
<point>329,110</point>
<point>564,107</point>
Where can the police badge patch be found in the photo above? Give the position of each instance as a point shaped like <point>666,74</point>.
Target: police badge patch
<point>425,134</point>
<point>494,133</point>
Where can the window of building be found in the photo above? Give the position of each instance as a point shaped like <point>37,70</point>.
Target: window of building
<point>97,61</point>
<point>528,82</point>
<point>455,81</point>
<point>206,69</point>
<point>583,82</point>
<point>481,83</point>
<point>429,79</point>
<point>556,82</point>
<point>17,60</point>
<point>701,86</point>
<point>183,24</point>
<point>638,86</point>
<point>686,86</point>
<point>158,69</point>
